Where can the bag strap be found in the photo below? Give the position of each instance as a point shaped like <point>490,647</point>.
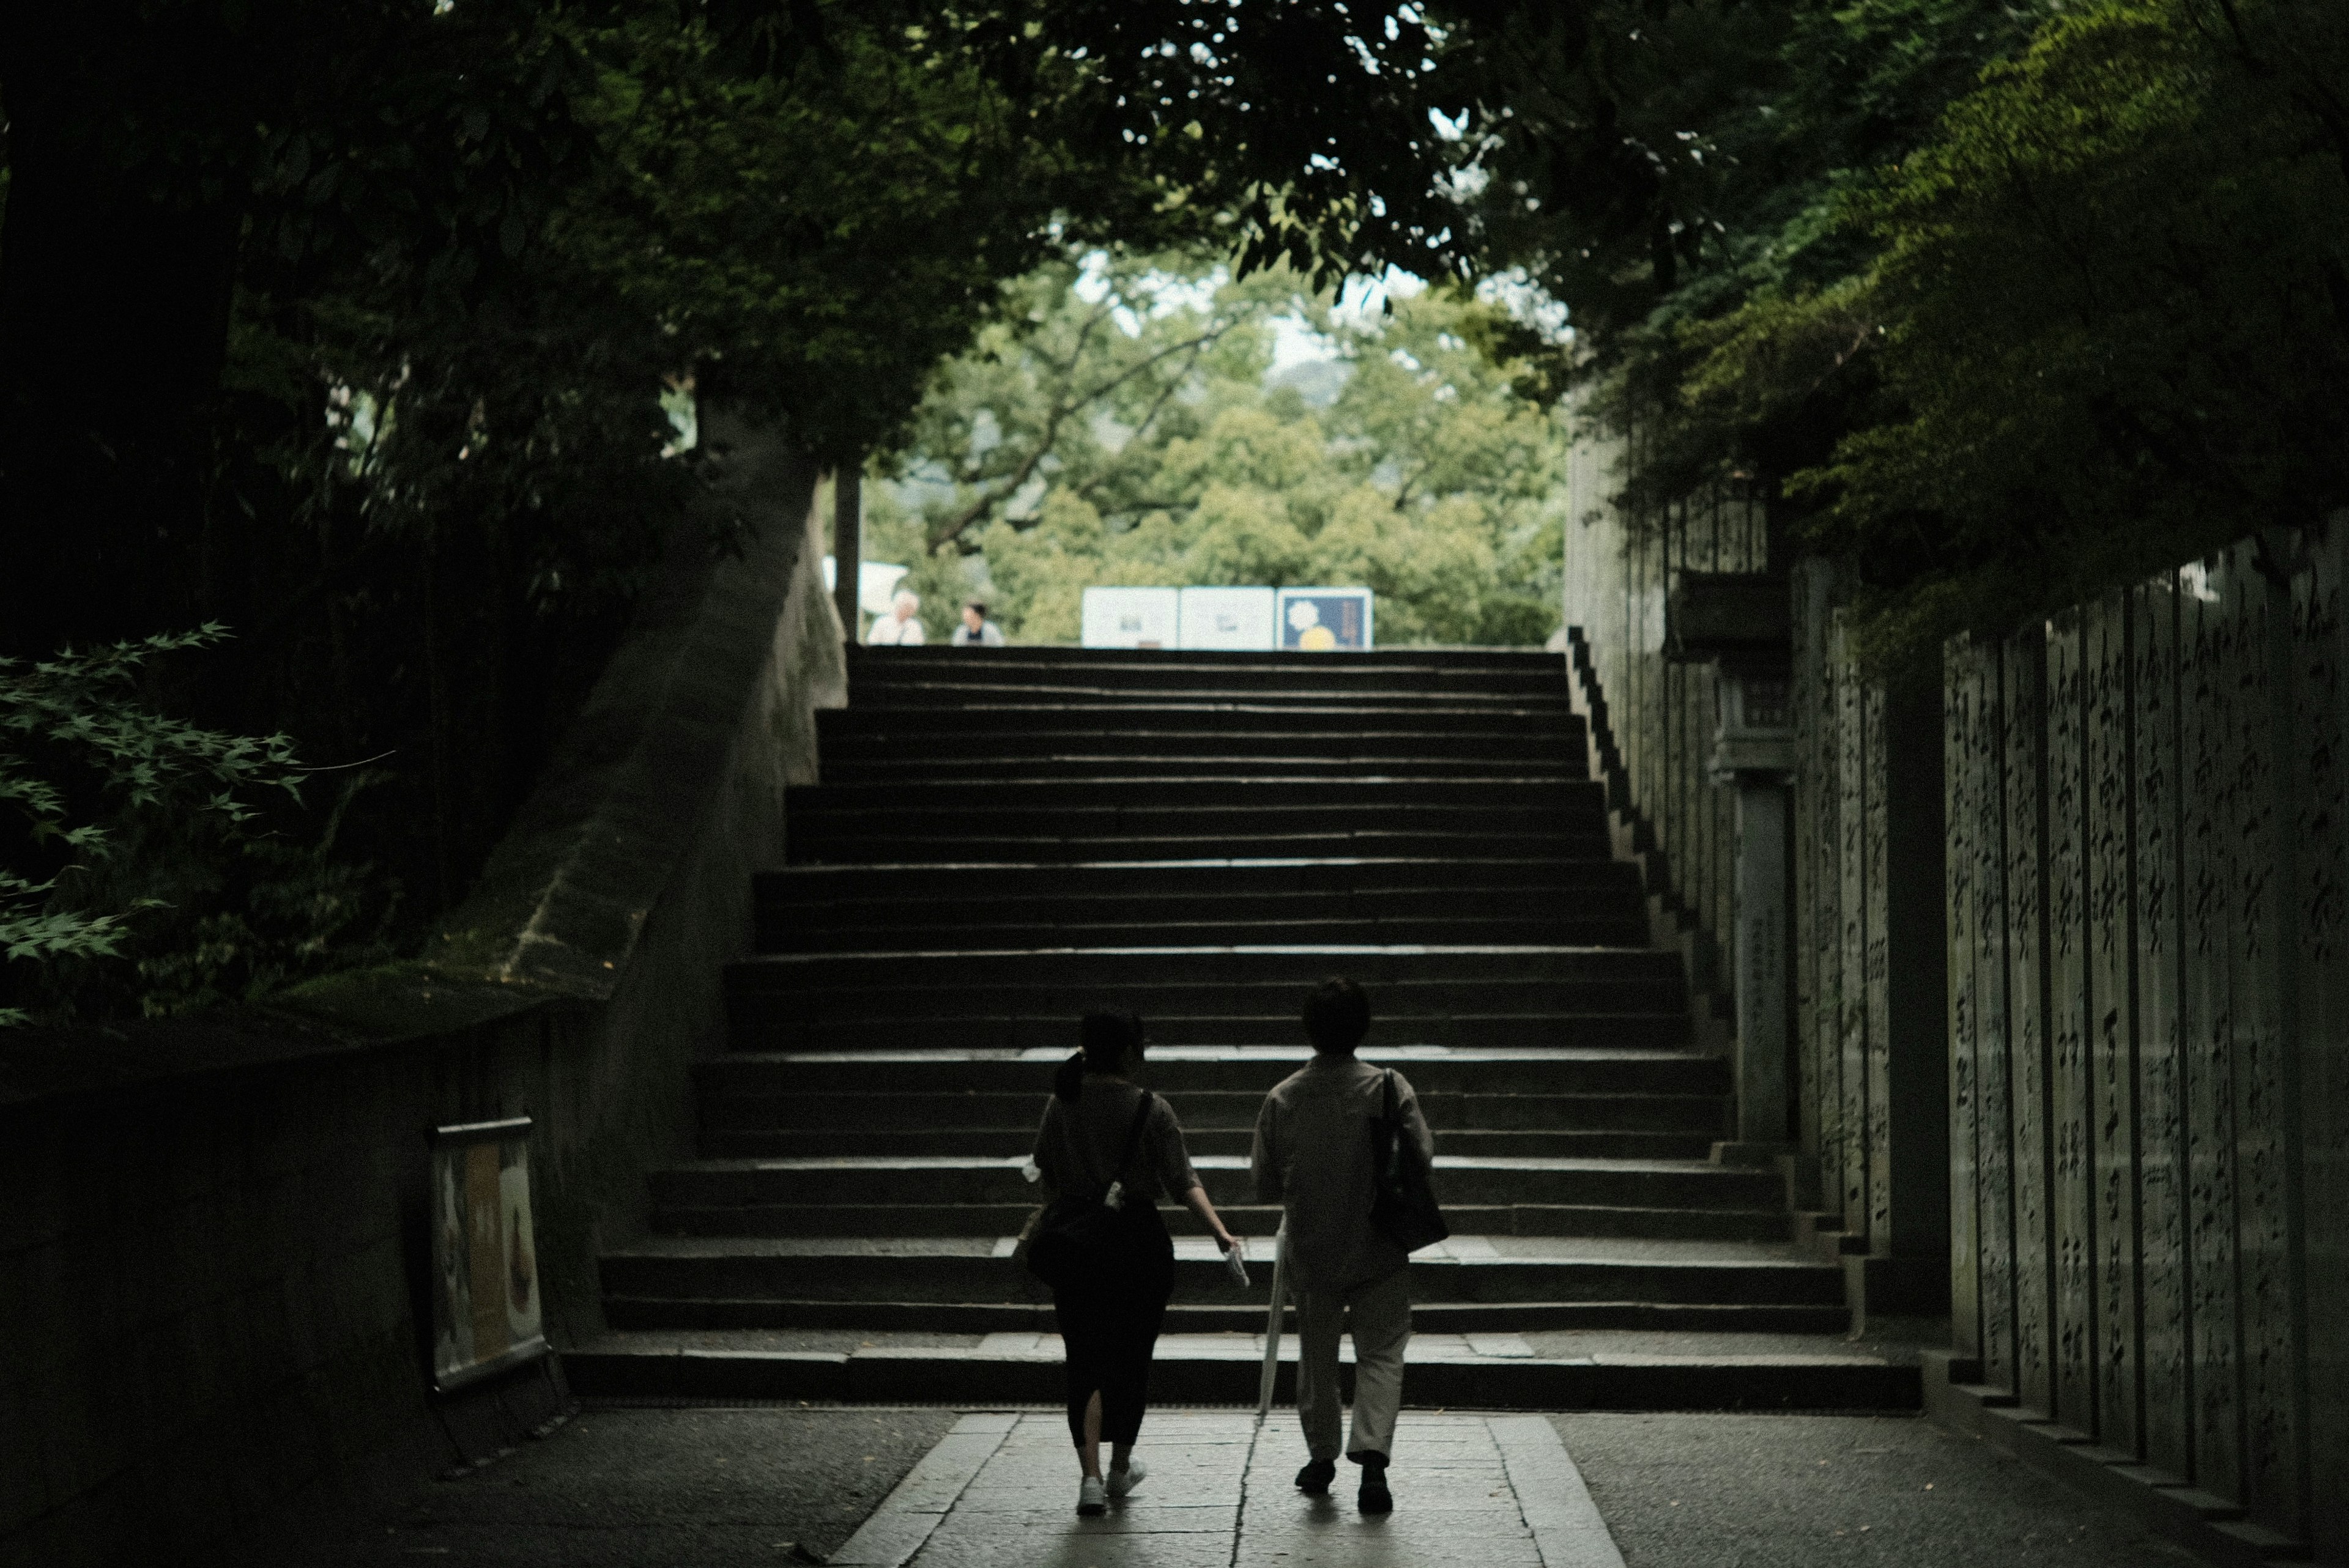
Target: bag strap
<point>1133,1135</point>
<point>1393,1111</point>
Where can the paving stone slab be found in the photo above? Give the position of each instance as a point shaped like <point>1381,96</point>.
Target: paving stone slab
<point>1498,1492</point>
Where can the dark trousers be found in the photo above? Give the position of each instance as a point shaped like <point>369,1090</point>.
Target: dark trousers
<point>1110,1324</point>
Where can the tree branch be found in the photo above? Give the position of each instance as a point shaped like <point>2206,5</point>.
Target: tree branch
<point>1062,409</point>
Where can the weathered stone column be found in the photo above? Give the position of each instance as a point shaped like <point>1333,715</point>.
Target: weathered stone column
<point>1741,622</point>
<point>1754,753</point>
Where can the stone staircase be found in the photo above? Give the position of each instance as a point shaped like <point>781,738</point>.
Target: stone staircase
<point>1006,837</point>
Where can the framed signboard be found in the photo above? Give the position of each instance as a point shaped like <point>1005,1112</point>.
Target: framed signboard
<point>1130,617</point>
<point>485,1300</point>
<point>1238,618</point>
<point>1324,619</point>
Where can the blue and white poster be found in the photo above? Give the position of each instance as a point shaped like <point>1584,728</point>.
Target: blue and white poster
<point>1325,620</point>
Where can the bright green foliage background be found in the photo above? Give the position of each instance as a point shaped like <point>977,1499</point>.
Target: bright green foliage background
<point>1120,426</point>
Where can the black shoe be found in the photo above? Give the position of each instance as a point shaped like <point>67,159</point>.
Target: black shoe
<point>1374,1497</point>
<point>1314,1480</point>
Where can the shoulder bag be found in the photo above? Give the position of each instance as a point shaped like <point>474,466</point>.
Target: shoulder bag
<point>1404,1210</point>
<point>1076,1238</point>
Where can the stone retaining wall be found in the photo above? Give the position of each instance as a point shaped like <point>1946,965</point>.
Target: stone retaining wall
<point>213,1240</point>
<point>2072,995</point>
<point>2148,820</point>
<point>1867,1055</point>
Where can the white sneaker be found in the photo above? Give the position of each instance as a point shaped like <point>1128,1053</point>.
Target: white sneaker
<point>1122,1481</point>
<point>1090,1497</point>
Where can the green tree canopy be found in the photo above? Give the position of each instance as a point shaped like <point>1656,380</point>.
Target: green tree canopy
<point>2000,302</point>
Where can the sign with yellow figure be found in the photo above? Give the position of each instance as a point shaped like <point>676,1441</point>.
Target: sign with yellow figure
<point>1325,620</point>
<point>485,1301</point>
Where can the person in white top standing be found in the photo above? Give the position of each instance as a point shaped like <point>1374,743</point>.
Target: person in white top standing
<point>977,631</point>
<point>899,628</point>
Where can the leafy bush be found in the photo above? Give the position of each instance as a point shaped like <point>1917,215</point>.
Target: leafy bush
<point>93,772</point>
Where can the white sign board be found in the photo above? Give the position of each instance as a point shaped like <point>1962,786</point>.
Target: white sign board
<point>1227,618</point>
<point>876,584</point>
<point>1130,617</point>
<point>1324,619</point>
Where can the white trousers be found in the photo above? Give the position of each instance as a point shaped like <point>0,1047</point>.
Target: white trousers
<point>1379,1316</point>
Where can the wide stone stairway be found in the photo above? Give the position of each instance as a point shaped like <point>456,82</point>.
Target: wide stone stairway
<point>1004,838</point>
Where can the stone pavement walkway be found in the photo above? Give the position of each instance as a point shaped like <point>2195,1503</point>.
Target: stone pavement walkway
<point>999,1493</point>
<point>767,1486</point>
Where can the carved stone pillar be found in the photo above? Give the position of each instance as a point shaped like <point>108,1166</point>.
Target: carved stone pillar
<point>1741,622</point>
<point>1754,753</point>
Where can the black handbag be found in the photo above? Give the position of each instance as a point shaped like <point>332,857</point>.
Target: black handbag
<point>1080,1238</point>
<point>1404,1211</point>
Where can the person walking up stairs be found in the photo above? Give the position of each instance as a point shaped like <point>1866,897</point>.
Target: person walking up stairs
<point>1313,1157</point>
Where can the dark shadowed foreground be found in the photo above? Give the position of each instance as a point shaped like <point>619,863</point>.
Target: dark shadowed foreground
<point>1705,1491</point>
<point>644,1489</point>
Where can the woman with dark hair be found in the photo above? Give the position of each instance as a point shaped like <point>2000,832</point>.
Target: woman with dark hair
<point>1105,1138</point>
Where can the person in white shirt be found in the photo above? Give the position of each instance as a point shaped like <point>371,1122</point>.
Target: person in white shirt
<point>898,629</point>
<point>977,631</point>
<point>1314,1157</point>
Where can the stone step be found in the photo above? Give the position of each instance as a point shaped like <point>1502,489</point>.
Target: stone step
<point>1361,746</point>
<point>1251,1070</point>
<point>1417,655</point>
<point>767,1023</point>
<point>980,1270</point>
<point>975,760</point>
<point>1444,882</point>
<point>944,688</point>
<point>722,1314</point>
<point>1459,1179</point>
<point>1471,665</point>
<point>1404,973</point>
<point>868,1113</point>
<point>847,1140</point>
<point>1575,1220</point>
<point>1013,714</point>
<point>1404,1006</point>
<point>960,827</point>
<point>872,848</point>
<point>1447,1372</point>
<point>1508,797</point>
<point>952,820</point>
<point>907,925</point>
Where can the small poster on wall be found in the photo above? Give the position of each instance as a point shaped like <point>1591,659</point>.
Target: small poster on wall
<point>1234,618</point>
<point>1130,618</point>
<point>1325,620</point>
<point>485,1301</point>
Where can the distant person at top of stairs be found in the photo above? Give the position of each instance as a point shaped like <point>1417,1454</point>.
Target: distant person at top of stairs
<point>1313,1157</point>
<point>977,631</point>
<point>899,628</point>
<point>1109,1322</point>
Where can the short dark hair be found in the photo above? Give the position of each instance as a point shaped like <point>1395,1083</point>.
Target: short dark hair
<point>1337,1015</point>
<point>1105,1037</point>
<point>977,604</point>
